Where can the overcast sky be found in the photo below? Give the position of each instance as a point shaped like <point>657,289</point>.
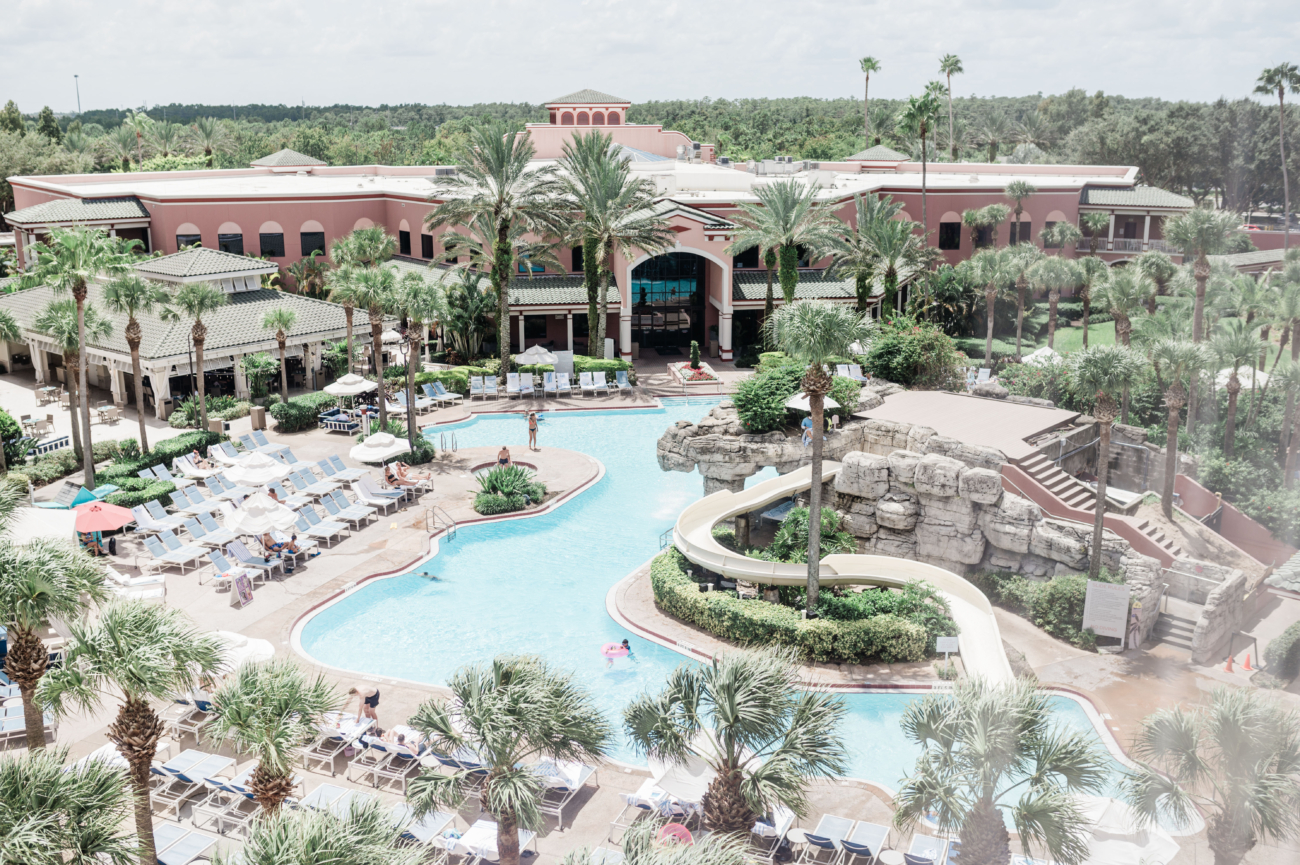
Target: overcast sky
<point>464,51</point>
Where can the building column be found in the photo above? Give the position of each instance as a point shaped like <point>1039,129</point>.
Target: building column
<point>1146,233</point>
<point>1110,237</point>
<point>148,240</point>
<point>521,332</point>
<point>241,380</point>
<point>117,384</point>
<point>568,329</point>
<point>724,335</point>
<point>624,336</point>
<point>159,377</point>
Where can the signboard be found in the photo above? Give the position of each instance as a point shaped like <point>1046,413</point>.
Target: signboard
<point>241,590</point>
<point>946,644</point>
<point>1105,609</point>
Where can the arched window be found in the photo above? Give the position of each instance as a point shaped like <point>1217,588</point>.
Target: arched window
<point>188,235</point>
<point>311,237</point>
<point>362,223</point>
<point>230,238</point>
<point>584,119</point>
<point>613,119</point>
<point>566,119</point>
<point>404,238</point>
<point>271,239</point>
<point>598,119</point>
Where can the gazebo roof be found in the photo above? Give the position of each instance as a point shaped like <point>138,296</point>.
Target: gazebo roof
<point>286,158</point>
<point>200,263</point>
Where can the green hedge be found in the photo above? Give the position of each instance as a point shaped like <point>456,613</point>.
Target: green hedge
<point>163,452</point>
<point>301,412</point>
<point>453,380</point>
<point>973,348</point>
<point>1055,605</point>
<point>48,468</point>
<point>1283,654</point>
<point>137,491</point>
<point>756,622</point>
<point>582,363</point>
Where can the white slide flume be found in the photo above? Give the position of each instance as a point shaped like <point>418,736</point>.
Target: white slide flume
<point>981,642</point>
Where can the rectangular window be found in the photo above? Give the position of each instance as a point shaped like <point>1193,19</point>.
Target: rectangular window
<point>231,243</point>
<point>404,242</point>
<point>950,235</point>
<point>983,237</point>
<point>524,267</point>
<point>271,244</point>
<point>580,327</point>
<point>426,246</point>
<point>312,241</point>
<point>804,254</point>
<point>534,327</point>
<point>184,241</point>
<point>577,260</point>
<point>1021,232</point>
<point>748,258</point>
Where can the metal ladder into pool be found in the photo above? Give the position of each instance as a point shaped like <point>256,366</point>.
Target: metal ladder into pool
<point>442,443</point>
<point>436,519</point>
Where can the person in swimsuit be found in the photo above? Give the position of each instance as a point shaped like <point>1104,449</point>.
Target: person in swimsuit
<point>367,702</point>
<point>503,456</point>
<point>532,430</point>
<point>396,480</point>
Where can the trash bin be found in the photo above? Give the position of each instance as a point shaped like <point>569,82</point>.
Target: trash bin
<point>258,417</point>
<point>217,425</point>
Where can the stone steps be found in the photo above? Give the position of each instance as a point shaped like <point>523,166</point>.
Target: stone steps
<point>1174,630</point>
<point>1064,486</point>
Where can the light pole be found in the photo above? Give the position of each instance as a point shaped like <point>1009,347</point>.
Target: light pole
<point>405,348</point>
<point>76,80</point>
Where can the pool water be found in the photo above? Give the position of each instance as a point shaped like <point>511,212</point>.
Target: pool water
<point>538,586</point>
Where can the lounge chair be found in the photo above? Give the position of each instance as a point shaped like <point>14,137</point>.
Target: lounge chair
<point>422,404</point>
<point>621,382</point>
<point>864,842</point>
<point>246,559</point>
<point>855,373</point>
<point>226,571</point>
<point>585,383</point>
<point>926,850</point>
<point>200,503</point>
<point>264,446</point>
<point>824,842</point>
<point>224,453</point>
<point>306,546</point>
<point>512,384</point>
<point>598,380</point>
<point>344,473</point>
<point>526,384</point>
<point>231,490</point>
<point>308,485</point>
<point>332,743</point>
<point>336,420</point>
<point>369,494</point>
<point>333,510</point>
<point>146,523</point>
<point>346,507</point>
<point>161,517</point>
<point>842,370</point>
<point>214,537</point>
<point>151,587</point>
<point>490,386</point>
<point>476,386</point>
<point>768,834</point>
<point>562,384</point>
<point>435,391</point>
<point>549,384</point>
<point>184,506</point>
<point>163,557</point>
<point>403,761</point>
<point>321,530</point>
<point>186,467</point>
<point>561,793</point>
<point>287,456</point>
<point>164,474</point>
<point>296,500</point>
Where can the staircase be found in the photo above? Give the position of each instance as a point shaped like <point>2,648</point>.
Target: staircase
<point>1061,484</point>
<point>1174,630</point>
<point>1158,536</point>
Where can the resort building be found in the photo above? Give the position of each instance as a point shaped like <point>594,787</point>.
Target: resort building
<point>287,206</point>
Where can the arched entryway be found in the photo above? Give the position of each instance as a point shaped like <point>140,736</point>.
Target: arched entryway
<point>667,295</point>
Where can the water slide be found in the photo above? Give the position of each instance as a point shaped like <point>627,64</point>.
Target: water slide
<point>981,642</point>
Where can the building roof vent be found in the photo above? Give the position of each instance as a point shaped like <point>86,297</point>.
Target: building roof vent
<point>444,172</point>
<point>724,160</point>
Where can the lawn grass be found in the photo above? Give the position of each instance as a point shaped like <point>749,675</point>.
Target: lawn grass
<point>1070,339</point>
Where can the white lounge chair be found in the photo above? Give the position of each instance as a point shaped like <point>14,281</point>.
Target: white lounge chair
<point>621,382</point>
<point>214,538</point>
<point>343,473</point>
<point>562,384</point>
<point>339,515</point>
<point>585,383</point>
<point>224,453</point>
<point>490,386</point>
<point>369,493</point>
<point>309,486</point>
<point>549,384</point>
<point>146,587</point>
<point>512,384</point>
<point>442,394</point>
<point>164,519</point>
<point>199,503</point>
<point>347,508</point>
<point>186,467</point>
<point>315,527</point>
<point>146,523</point>
<point>598,380</point>
<point>476,386</point>
<point>246,559</point>
<point>224,570</point>
<point>296,500</point>
<point>163,557</point>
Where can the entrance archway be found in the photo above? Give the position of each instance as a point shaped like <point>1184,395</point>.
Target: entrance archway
<point>667,294</point>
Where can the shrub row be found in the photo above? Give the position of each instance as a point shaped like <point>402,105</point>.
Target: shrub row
<point>755,622</point>
<point>760,399</point>
<point>1283,654</point>
<point>301,412</point>
<point>163,452</point>
<point>1055,605</point>
<point>137,491</point>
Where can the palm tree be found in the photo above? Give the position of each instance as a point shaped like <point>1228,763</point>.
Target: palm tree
<point>1053,275</point>
<point>641,846</point>
<point>167,138</point>
<point>1289,377</point>
<point>1017,191</point>
<point>769,264</point>
<point>1161,269</point>
<point>1200,233</point>
<point>867,65</point>
<point>1063,235</point>
<point>1021,259</point>
<point>744,717</point>
<point>143,652</point>
<point>121,142</point>
<point>422,302</point>
<point>581,154</point>
<point>68,261</point>
<point>1032,130</point>
<point>1289,319</point>
<point>1100,373</point>
<point>210,137</point>
<point>281,320</point>
<point>1092,272</point>
<point>363,247</point>
<point>994,215</point>
<point>1236,345</point>
<point>855,252</point>
<point>950,65</point>
<point>1279,79</point>
<point>375,290</point>
<point>1233,761</point>
<point>1125,295</point>
<point>1096,222</point>
<point>513,711</point>
<point>311,273</point>
<point>811,332</point>
<point>195,300</point>
<point>58,321</point>
<point>38,580</point>
<point>993,129</point>
<point>1175,360</point>
<point>917,118</point>
<point>470,306</point>
<point>9,331</point>
<point>989,752</point>
<point>131,296</point>
<point>973,219</point>
<point>901,255</point>
<point>787,217</point>
<point>993,269</point>
<point>140,124</point>
<point>365,834</point>
<point>496,179</point>
<point>270,710</point>
<point>342,290</point>
<point>50,815</point>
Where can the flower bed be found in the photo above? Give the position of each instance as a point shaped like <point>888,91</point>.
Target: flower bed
<point>684,375</point>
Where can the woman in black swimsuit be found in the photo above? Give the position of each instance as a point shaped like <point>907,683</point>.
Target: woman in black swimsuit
<point>532,431</point>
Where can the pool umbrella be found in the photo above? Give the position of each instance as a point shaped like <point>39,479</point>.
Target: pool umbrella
<point>256,470</point>
<point>378,448</point>
<point>260,513</point>
<point>799,402</point>
<point>350,385</point>
<point>535,354</point>
<point>390,336</point>
<point>238,650</point>
<point>101,517</point>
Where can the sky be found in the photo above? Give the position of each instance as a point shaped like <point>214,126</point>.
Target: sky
<point>129,54</point>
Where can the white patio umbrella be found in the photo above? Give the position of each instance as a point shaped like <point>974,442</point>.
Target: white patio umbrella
<point>1244,374</point>
<point>239,649</point>
<point>799,402</point>
<point>256,470</point>
<point>390,336</point>
<point>1042,357</point>
<point>687,782</point>
<point>378,448</point>
<point>350,385</point>
<point>1116,839</point>
<point>260,513</point>
<point>534,354</point>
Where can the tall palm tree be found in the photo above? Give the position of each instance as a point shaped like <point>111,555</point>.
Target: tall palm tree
<point>917,118</point>
<point>769,264</point>
<point>786,217</point>
<point>68,261</point>
<point>363,247</point>
<point>994,129</point>
<point>811,332</point>
<point>1288,310</point>
<point>342,285</point>
<point>140,124</point>
<point>746,718</point>
<point>1063,235</point>
<point>1234,761</point>
<point>582,154</point>
<point>1161,269</point>
<point>1288,377</point>
<point>1092,272</point>
<point>1016,192</point>
<point>38,580</point>
<point>1100,374</point>
<point>311,273</point>
<point>993,269</point>
<point>989,752</point>
<point>270,710</point>
<point>513,711</point>
<point>210,137</point>
<point>901,256</point>
<point>58,321</point>
<point>973,219</point>
<point>167,139</point>
<point>120,142</point>
<point>868,65</point>
<point>855,252</point>
<point>1053,275</point>
<point>365,834</point>
<point>144,653</point>
<point>423,303</point>
<point>496,179</point>
<point>1124,296</point>
<point>281,320</point>
<point>51,815</point>
<point>1200,233</point>
<point>375,290</point>
<point>950,65</point>
<point>994,215</point>
<point>195,300</point>
<point>1235,345</point>
<point>132,296</point>
<point>1021,259</point>
<point>470,305</point>
<point>1096,222</point>
<point>1175,360</point>
<point>1032,130</point>
<point>1280,79</point>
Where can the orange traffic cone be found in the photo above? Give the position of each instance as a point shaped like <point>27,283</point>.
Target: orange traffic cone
<point>1246,666</point>
<point>1227,668</point>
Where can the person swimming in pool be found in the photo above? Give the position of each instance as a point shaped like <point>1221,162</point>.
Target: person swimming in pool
<point>630,656</point>
<point>503,456</point>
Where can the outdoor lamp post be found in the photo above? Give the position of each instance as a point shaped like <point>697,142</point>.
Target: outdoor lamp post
<point>404,348</point>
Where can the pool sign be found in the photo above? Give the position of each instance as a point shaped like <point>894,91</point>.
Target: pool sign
<point>946,645</point>
<point>1105,609</point>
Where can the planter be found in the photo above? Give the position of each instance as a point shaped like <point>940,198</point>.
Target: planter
<point>685,376</point>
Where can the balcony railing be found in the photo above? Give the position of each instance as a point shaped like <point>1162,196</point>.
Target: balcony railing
<point>1127,244</point>
<point>1163,246</point>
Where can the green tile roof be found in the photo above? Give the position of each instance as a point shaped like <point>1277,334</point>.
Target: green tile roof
<point>285,158</point>
<point>1139,196</point>
<point>201,261</point>
<point>879,153</point>
<point>752,285</point>
<point>1250,259</point>
<point>588,97</point>
<point>79,210</point>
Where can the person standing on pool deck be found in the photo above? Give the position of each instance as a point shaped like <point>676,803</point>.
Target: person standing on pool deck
<point>367,702</point>
<point>532,431</point>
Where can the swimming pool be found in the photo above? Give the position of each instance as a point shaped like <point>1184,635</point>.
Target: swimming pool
<point>538,585</point>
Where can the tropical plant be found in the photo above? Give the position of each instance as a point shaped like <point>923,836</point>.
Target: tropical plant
<point>855,253</point>
<point>811,333</point>
<point>68,261</point>
<point>311,273</point>
<point>994,129</point>
<point>195,300</point>
<point>58,321</point>
<point>375,290</point>
<point>1288,377</point>
<point>421,302</point>
<point>1100,373</point>
<point>270,710</point>
<point>1279,79</point>
<point>1063,236</point>
<point>1096,222</point>
<point>210,137</point>
<point>1021,259</point>
<point>281,320</point>
<point>950,65</point>
<point>496,180</point>
<point>365,834</point>
<point>1016,192</point>
<point>511,712</point>
<point>1124,295</point>
<point>1236,345</point>
<point>868,65</point>
<point>141,124</point>
<point>470,306</point>
<point>995,751</point>
<point>991,268</point>
<point>917,118</point>
<point>167,139</point>
<point>258,369</point>
<point>1200,233</point>
<point>144,652</point>
<point>1161,270</point>
<point>786,218</point>
<point>363,247</point>
<point>1092,272</point>
<point>1175,360</point>
<point>745,717</point>
<point>1054,275</point>
<point>120,142</point>
<point>131,296</point>
<point>1032,131</point>
<point>1237,761</point>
